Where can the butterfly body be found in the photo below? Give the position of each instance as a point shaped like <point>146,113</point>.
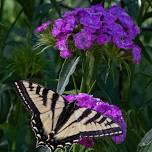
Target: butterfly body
<point>57,123</point>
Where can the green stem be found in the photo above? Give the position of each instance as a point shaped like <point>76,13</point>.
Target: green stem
<point>82,86</point>
<point>93,84</point>
<point>75,85</point>
<point>88,72</point>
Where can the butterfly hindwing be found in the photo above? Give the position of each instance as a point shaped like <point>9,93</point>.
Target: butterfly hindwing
<point>87,123</point>
<point>94,124</point>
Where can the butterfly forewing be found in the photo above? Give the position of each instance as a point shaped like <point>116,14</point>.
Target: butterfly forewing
<point>43,103</point>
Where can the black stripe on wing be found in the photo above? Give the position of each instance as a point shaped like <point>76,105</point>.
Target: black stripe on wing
<point>25,97</point>
<point>38,89</point>
<point>44,96</point>
<point>54,101</point>
<point>93,118</point>
<point>109,123</point>
<point>67,111</point>
<point>84,115</point>
<point>102,120</point>
<point>30,86</point>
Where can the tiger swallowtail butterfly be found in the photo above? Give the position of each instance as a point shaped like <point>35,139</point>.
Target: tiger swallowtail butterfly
<point>57,123</point>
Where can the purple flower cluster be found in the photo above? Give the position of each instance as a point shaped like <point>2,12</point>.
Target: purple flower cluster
<point>88,101</point>
<point>96,25</point>
<point>42,27</point>
<point>87,142</point>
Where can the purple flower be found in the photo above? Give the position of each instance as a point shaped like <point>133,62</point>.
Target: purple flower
<point>130,28</point>
<point>62,45</point>
<point>83,40</point>
<point>103,39</point>
<point>69,25</point>
<point>98,8</point>
<point>69,13</point>
<point>91,20</point>
<point>65,54</point>
<point>90,30</point>
<point>70,97</point>
<point>116,10</point>
<point>85,100</point>
<point>116,30</point>
<point>133,31</point>
<point>108,19</point>
<point>95,25</point>
<point>122,18</point>
<point>42,27</point>
<point>87,142</point>
<point>125,20</point>
<point>114,111</point>
<point>122,41</point>
<point>63,26</point>
<point>57,28</point>
<point>118,139</point>
<point>136,54</point>
<point>79,12</point>
<point>101,107</point>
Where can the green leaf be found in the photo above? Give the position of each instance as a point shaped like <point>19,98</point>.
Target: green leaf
<point>56,6</point>
<point>59,150</point>
<point>45,41</point>
<point>10,29</point>
<point>4,102</point>
<point>28,8</point>
<point>144,51</point>
<point>78,148</point>
<point>96,1</point>
<point>26,62</point>
<point>67,70</point>
<point>71,91</point>
<point>147,16</point>
<point>150,148</point>
<point>42,11</point>
<point>146,140</point>
<point>44,149</point>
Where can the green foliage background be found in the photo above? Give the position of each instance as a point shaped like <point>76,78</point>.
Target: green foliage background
<point>130,89</point>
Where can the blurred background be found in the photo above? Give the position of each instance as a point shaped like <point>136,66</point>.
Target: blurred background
<point>18,19</point>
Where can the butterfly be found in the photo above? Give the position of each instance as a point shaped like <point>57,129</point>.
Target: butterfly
<point>57,123</point>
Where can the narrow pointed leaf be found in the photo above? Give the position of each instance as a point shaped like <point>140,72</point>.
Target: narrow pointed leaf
<point>67,70</point>
<point>145,144</point>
